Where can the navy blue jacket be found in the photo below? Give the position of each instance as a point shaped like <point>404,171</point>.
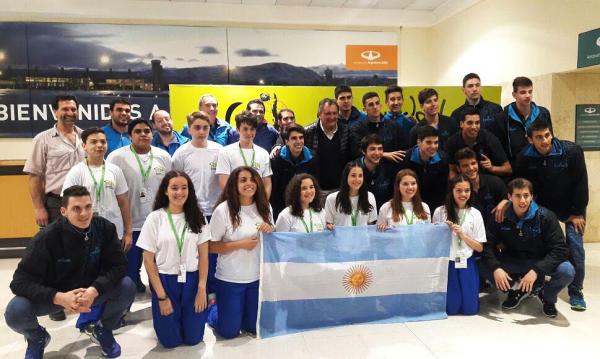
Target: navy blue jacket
<point>401,118</point>
<point>355,116</point>
<point>446,128</point>
<point>432,175</point>
<point>491,191</point>
<point>284,169</point>
<point>559,179</point>
<point>394,137</point>
<point>536,239</point>
<point>488,111</point>
<point>58,259</point>
<point>380,181</point>
<point>511,128</point>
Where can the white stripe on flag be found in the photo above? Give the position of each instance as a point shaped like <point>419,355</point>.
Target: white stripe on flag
<point>293,281</point>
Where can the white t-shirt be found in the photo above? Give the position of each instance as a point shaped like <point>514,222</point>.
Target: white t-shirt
<point>141,194</point>
<point>332,214</point>
<point>200,164</point>
<point>114,185</point>
<point>230,158</point>
<point>472,226</point>
<point>386,216</point>
<point>238,266</point>
<point>157,237</point>
<point>286,222</point>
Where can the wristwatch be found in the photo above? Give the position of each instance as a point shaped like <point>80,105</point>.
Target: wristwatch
<point>163,298</point>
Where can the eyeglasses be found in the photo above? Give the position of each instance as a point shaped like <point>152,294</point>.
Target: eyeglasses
<point>288,118</point>
<point>146,131</point>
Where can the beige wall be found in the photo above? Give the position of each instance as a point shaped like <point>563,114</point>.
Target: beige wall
<point>502,39</point>
<point>569,89</point>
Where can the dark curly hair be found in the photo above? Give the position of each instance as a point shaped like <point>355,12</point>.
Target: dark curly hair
<point>193,214</point>
<point>231,195</point>
<point>292,195</point>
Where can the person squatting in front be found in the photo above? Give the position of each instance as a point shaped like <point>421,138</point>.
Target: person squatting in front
<point>75,262</point>
<point>524,248</point>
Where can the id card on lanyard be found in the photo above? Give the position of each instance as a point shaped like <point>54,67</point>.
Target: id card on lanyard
<point>98,188</point>
<point>180,240</point>
<point>145,194</point>
<point>460,261</point>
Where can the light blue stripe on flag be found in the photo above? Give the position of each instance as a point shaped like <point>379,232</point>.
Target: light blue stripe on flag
<point>358,243</point>
<point>292,316</point>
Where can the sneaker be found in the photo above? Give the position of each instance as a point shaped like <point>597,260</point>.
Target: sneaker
<point>549,309</point>
<point>104,337</point>
<point>89,331</point>
<point>515,297</point>
<point>58,316</point>
<point>35,347</point>
<point>576,300</point>
<point>140,287</point>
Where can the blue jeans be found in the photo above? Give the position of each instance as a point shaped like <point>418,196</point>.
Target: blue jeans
<point>561,277</point>
<point>21,313</point>
<point>576,256</point>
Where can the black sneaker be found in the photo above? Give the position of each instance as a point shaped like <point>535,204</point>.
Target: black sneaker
<point>515,297</point>
<point>549,309</point>
<point>58,316</point>
<point>35,347</point>
<point>108,345</point>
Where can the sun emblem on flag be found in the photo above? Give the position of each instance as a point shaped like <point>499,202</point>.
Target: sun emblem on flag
<point>357,279</point>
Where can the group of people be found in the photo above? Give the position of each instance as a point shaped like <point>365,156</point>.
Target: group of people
<point>191,206</point>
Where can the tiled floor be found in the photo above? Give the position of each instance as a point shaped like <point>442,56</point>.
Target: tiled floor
<point>494,333</point>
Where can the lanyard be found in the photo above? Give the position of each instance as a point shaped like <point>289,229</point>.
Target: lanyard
<point>411,219</point>
<point>354,216</point>
<point>179,239</point>
<point>311,221</point>
<point>145,172</point>
<point>98,186</point>
<point>244,157</point>
<point>460,223</point>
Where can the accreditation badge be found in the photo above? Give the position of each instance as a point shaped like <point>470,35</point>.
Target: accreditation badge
<point>145,195</point>
<point>460,262</point>
<point>182,274</point>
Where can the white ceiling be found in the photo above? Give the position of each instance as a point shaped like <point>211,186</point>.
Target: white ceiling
<point>371,14</point>
<point>419,5</point>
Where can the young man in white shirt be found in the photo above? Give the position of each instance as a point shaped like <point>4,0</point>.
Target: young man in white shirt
<point>198,159</point>
<point>144,167</point>
<point>245,153</point>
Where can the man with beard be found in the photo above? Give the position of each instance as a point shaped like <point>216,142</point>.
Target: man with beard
<point>144,167</point>
<point>116,130</point>
<point>164,136</point>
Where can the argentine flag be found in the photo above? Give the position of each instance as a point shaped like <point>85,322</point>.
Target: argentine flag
<point>352,275</point>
